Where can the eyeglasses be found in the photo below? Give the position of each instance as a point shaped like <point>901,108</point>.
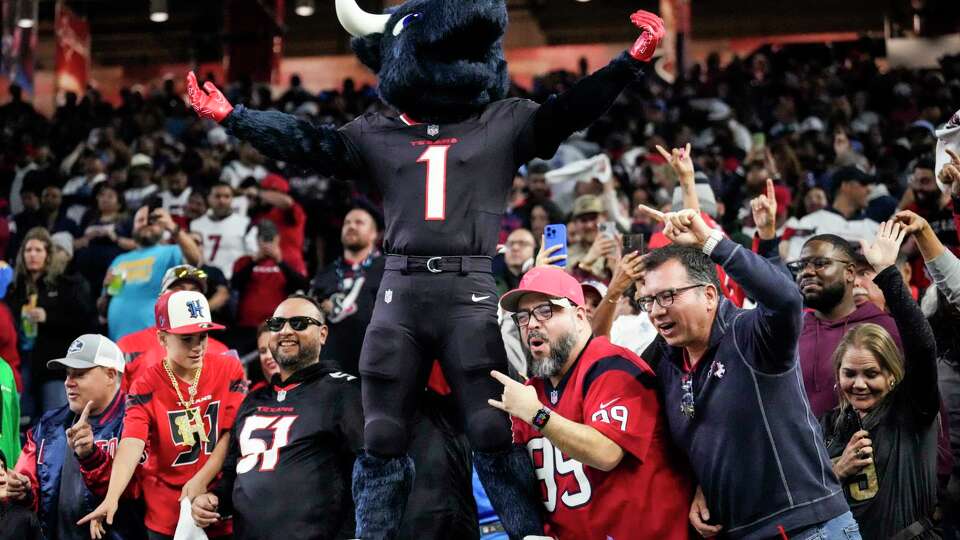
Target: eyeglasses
<point>819,263</point>
<point>664,298</point>
<point>299,324</point>
<point>686,398</point>
<point>542,312</point>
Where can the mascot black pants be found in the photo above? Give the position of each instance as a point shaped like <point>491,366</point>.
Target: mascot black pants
<point>421,317</point>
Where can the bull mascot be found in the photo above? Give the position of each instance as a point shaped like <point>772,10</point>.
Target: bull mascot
<point>444,162</point>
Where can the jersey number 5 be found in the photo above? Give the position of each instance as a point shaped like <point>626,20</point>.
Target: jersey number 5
<point>436,159</point>
<point>255,450</point>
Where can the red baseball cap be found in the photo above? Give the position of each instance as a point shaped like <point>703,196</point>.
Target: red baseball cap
<point>183,312</point>
<point>549,280</point>
<point>275,182</point>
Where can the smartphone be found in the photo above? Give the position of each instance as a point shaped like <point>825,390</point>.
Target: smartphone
<point>556,235</point>
<point>634,243</point>
<point>608,229</point>
<point>759,140</point>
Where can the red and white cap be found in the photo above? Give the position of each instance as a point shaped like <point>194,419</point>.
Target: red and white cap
<point>184,312</point>
<point>549,280</point>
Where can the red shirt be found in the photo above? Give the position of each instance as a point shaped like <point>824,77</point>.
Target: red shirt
<point>152,411</point>
<point>290,224</point>
<point>142,349</point>
<point>648,494</point>
<point>262,292</point>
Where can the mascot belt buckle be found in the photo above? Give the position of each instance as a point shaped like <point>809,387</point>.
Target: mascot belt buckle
<point>434,261</point>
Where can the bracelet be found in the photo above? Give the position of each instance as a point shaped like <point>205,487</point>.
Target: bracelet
<point>711,242</point>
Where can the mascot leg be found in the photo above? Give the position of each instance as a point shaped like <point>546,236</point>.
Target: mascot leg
<point>509,481</point>
<point>380,490</point>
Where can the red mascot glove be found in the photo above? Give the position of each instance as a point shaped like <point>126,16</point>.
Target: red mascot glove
<point>653,32</point>
<point>213,105</point>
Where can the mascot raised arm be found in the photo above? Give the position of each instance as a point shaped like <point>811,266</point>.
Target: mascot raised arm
<point>444,163</point>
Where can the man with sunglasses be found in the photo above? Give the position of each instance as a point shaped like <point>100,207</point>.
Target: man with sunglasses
<point>732,391</point>
<point>591,421</point>
<point>826,274</point>
<point>296,437</point>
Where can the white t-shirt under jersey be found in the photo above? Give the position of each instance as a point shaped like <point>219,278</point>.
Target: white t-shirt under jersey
<point>225,240</point>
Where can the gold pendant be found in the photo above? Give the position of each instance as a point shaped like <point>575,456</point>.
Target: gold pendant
<point>190,426</point>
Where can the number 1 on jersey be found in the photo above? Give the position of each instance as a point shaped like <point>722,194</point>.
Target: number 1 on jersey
<point>436,159</point>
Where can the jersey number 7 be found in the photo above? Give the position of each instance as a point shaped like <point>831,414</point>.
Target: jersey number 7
<point>436,201</point>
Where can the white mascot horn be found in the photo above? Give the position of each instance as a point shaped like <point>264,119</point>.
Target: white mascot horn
<point>358,22</point>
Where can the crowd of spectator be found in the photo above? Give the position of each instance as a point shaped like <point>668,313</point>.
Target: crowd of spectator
<point>812,157</point>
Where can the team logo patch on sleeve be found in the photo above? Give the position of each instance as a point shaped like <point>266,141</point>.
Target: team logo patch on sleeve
<point>139,399</point>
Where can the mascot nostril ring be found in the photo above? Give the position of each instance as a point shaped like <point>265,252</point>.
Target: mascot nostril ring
<point>444,161</point>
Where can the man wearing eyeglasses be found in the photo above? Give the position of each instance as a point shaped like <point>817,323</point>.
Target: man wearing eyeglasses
<point>293,443</point>
<point>732,391</point>
<point>826,275</point>
<point>591,421</point>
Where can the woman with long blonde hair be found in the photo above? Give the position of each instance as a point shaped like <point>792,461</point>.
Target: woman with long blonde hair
<point>50,308</point>
<point>882,437</point>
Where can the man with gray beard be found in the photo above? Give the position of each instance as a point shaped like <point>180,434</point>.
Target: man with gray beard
<point>591,421</point>
<point>313,414</point>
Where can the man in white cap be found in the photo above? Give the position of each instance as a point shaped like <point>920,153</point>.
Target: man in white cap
<point>65,466</point>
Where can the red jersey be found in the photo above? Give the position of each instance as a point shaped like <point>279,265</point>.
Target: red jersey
<point>648,494</point>
<point>142,349</point>
<point>290,224</point>
<point>153,410</point>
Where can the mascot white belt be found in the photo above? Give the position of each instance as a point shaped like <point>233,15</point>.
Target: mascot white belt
<point>444,163</point>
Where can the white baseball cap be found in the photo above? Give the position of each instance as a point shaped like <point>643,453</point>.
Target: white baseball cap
<point>184,312</point>
<point>89,351</point>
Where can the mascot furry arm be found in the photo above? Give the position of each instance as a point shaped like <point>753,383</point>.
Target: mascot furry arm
<point>426,89</point>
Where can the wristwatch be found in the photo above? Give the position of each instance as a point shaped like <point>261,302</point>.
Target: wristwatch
<point>540,419</point>
<point>711,243</point>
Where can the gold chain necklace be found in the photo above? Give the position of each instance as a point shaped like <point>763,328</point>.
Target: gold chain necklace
<point>190,425</point>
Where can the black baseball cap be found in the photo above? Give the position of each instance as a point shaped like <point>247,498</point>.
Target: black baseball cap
<point>850,174</point>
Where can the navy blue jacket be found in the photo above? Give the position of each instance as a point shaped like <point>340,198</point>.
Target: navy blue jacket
<point>42,460</point>
<point>754,446</point>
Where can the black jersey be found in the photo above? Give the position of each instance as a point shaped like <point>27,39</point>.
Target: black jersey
<point>444,186</point>
<point>288,472</point>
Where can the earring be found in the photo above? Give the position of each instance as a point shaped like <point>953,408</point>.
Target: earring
<point>893,382</point>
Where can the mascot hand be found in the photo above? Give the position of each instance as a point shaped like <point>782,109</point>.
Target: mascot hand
<point>653,32</point>
<point>213,105</point>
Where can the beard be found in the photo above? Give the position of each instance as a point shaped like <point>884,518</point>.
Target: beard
<point>927,200</point>
<point>306,355</point>
<point>146,238</point>
<point>552,365</point>
<point>828,298</point>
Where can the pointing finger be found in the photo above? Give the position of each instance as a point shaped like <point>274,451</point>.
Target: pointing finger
<point>953,156</point>
<point>771,192</point>
<point>650,212</point>
<point>497,404</point>
<point>84,415</point>
<point>663,152</point>
<point>504,379</point>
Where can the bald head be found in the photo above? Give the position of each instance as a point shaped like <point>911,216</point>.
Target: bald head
<point>297,342</point>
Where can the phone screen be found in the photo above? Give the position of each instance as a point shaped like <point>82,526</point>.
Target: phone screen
<point>634,243</point>
<point>554,235</point>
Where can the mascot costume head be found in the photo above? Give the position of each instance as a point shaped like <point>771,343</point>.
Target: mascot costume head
<point>437,60</point>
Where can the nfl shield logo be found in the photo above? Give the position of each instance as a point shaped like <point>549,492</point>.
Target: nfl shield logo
<point>554,397</point>
<point>388,296</point>
<point>433,130</point>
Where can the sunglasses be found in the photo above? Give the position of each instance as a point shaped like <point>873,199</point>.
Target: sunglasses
<point>299,324</point>
<point>183,272</point>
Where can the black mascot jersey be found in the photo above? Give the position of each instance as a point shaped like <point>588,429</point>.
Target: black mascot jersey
<point>291,453</point>
<point>444,186</point>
